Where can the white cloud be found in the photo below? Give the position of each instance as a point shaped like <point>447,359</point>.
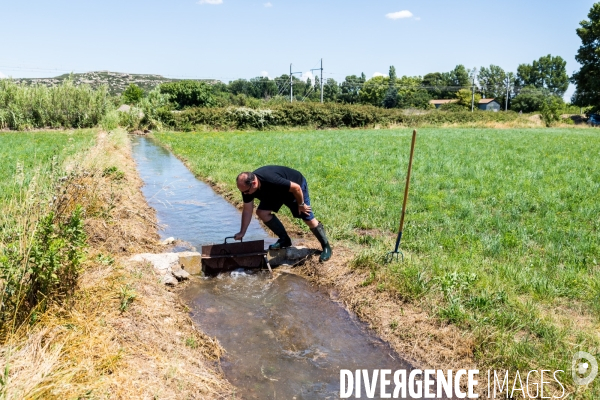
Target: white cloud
<point>265,74</point>
<point>2,76</point>
<point>213,2</point>
<point>306,75</point>
<point>378,74</point>
<point>268,5</point>
<point>399,14</point>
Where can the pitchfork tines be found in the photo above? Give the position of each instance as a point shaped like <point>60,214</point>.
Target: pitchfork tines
<point>390,256</point>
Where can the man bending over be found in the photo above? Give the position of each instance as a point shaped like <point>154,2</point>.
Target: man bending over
<point>275,186</point>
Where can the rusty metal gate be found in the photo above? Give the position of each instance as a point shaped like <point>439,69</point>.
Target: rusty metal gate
<point>228,256</point>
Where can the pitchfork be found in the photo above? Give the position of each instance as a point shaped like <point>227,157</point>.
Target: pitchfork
<point>394,254</point>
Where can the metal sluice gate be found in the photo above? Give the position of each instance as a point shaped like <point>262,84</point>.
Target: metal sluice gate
<point>229,256</point>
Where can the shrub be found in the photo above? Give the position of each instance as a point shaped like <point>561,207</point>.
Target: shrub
<point>133,94</point>
<point>66,105</point>
<point>50,265</point>
<point>132,119</point>
<point>550,110</point>
<point>188,93</point>
<point>248,117</point>
<point>316,115</point>
<point>156,110</point>
<point>455,106</point>
<point>532,99</point>
<point>110,121</point>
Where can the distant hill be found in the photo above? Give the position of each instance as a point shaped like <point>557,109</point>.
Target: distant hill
<point>117,82</point>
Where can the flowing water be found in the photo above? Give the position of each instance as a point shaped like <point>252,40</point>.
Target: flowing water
<point>188,208</point>
<point>284,338</point>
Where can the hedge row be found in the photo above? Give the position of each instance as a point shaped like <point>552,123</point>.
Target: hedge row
<point>63,106</point>
<point>322,116</point>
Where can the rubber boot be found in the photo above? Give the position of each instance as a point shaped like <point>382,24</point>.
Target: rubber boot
<point>278,229</point>
<point>319,233</point>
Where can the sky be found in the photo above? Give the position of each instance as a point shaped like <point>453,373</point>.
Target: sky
<point>231,39</point>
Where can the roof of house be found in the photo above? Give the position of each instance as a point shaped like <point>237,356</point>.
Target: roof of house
<point>487,101</point>
<point>445,101</point>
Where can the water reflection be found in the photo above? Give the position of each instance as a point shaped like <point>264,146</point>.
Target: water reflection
<point>189,208</point>
<point>284,338</point>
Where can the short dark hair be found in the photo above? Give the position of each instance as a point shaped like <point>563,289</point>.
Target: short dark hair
<point>246,178</point>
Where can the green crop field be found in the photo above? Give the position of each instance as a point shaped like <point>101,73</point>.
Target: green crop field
<point>22,153</point>
<point>502,227</point>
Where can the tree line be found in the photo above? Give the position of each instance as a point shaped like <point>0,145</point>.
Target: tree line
<point>528,89</point>
<point>532,87</point>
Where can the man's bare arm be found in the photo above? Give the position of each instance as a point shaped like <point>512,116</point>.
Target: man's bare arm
<point>296,190</point>
<point>246,218</point>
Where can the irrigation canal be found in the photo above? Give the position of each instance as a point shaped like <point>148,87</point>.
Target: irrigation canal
<point>284,338</point>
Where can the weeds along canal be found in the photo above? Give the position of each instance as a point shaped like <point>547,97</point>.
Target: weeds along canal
<point>284,338</point>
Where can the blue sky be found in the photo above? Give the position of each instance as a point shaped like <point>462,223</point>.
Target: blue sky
<point>243,39</point>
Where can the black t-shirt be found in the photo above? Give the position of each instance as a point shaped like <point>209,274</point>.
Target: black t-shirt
<point>274,183</point>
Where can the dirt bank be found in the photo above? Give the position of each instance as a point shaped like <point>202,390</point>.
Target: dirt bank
<point>122,334</point>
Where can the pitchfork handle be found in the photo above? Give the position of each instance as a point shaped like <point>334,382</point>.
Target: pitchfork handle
<point>410,160</point>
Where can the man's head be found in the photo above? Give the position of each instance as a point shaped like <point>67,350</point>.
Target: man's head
<point>247,182</point>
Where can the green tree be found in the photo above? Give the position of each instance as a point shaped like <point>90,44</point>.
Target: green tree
<point>458,77</point>
<point>531,99</point>
<point>188,93</point>
<point>350,89</point>
<point>133,94</point>
<point>434,84</point>
<point>262,87</point>
<point>445,85</point>
<point>548,72</point>
<point>465,98</point>
<point>316,93</point>
<point>239,86</point>
<point>587,79</point>
<point>550,110</point>
<point>492,81</point>
<point>391,95</point>
<point>373,90</point>
<point>411,94</point>
<point>414,99</point>
<point>283,84</point>
<point>302,88</point>
<point>331,91</point>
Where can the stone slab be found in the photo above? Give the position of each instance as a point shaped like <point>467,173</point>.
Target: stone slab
<point>289,255</point>
<point>191,262</point>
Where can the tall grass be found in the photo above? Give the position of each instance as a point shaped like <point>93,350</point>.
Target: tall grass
<point>41,231</point>
<point>501,229</point>
<point>64,106</point>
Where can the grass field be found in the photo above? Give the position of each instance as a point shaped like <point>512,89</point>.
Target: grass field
<point>502,227</point>
<point>34,247</point>
<point>23,153</point>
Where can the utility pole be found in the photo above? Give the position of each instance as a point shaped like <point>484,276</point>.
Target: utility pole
<point>321,81</point>
<point>316,69</point>
<point>473,90</point>
<point>473,95</point>
<point>292,83</point>
<point>506,103</point>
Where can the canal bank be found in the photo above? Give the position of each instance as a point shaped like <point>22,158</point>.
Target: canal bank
<point>120,334</point>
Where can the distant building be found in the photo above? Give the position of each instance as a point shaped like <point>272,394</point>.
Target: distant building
<point>439,103</point>
<point>484,104</point>
<point>489,105</point>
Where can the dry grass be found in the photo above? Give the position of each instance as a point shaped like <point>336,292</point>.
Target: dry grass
<point>122,335</point>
